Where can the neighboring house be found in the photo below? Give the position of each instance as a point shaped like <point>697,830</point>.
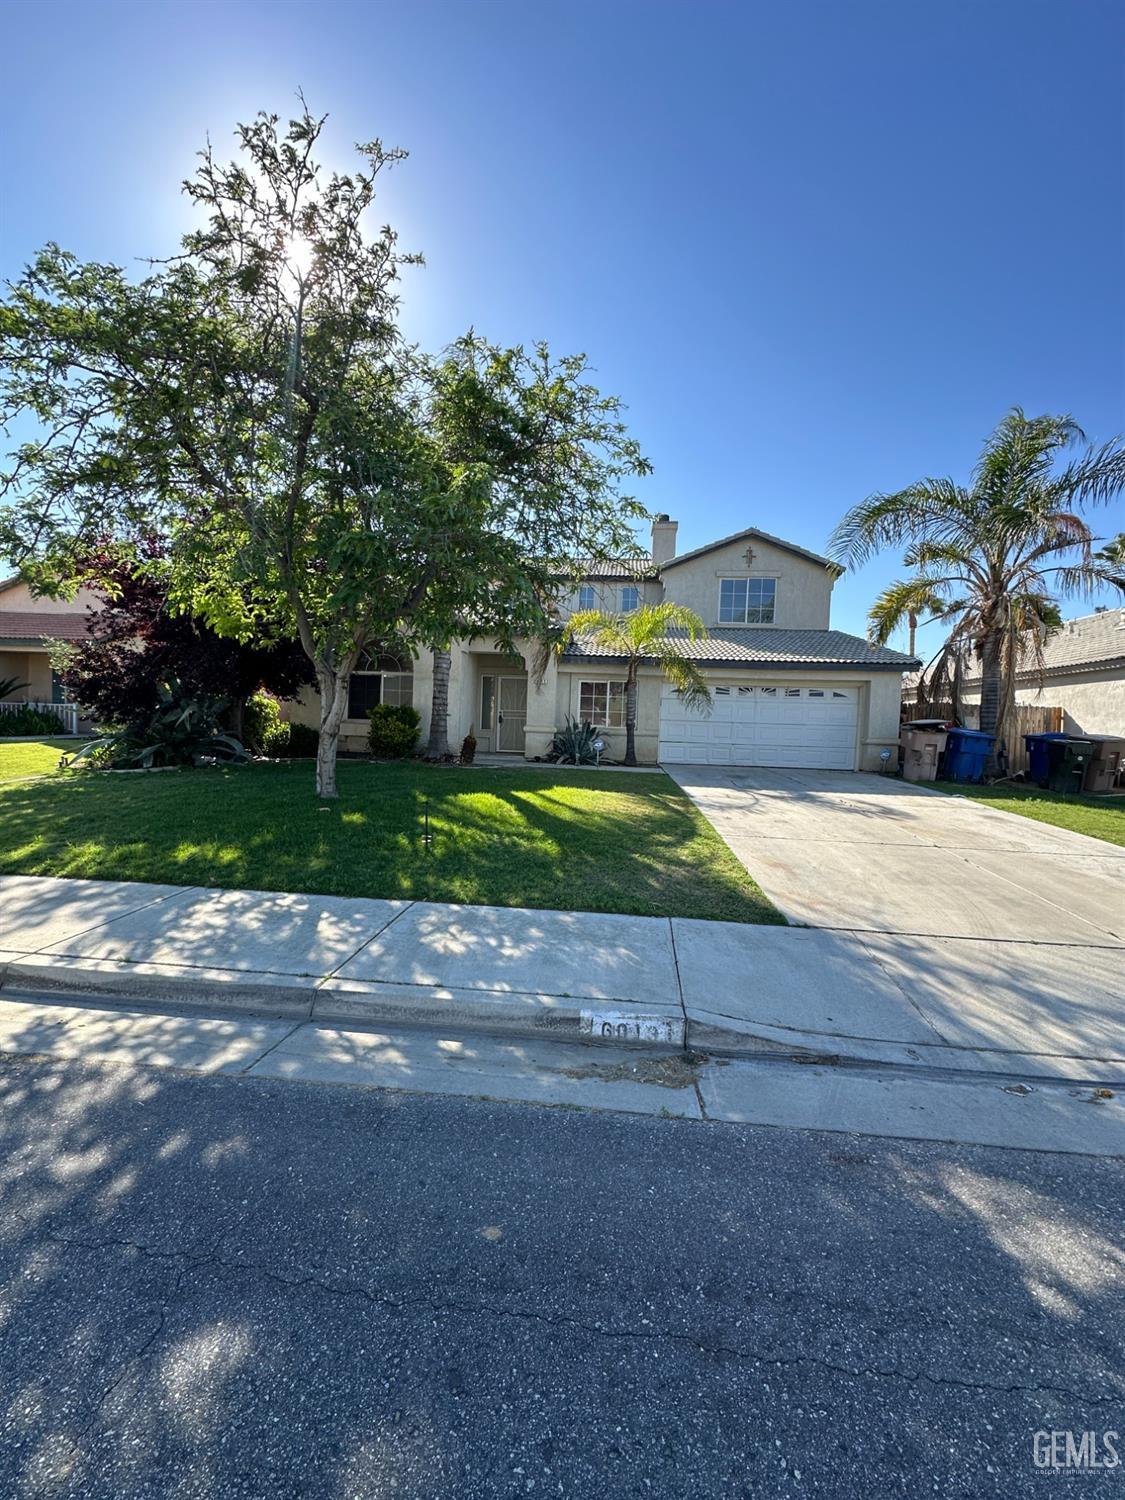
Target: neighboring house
<point>29,626</point>
<point>787,689</point>
<point>1083,673</point>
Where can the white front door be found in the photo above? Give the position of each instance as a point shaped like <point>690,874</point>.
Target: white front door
<point>783,725</point>
<point>511,714</point>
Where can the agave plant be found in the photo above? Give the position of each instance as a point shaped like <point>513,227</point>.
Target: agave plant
<point>575,742</point>
<point>9,685</point>
<point>181,731</point>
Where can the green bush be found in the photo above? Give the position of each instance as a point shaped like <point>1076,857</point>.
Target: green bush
<point>32,721</point>
<point>181,731</point>
<point>302,742</point>
<point>394,730</point>
<point>264,731</point>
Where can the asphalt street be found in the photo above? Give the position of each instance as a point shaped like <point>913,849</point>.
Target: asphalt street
<point>217,1286</point>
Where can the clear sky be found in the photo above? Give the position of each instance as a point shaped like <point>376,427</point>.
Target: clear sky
<point>818,247</point>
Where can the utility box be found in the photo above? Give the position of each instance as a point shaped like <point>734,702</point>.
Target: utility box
<point>1106,763</point>
<point>921,747</point>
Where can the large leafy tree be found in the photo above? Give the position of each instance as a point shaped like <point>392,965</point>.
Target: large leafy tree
<point>654,634</point>
<point>253,400</point>
<point>992,560</point>
<point>137,644</point>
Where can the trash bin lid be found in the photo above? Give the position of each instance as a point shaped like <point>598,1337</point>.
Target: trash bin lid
<point>971,734</point>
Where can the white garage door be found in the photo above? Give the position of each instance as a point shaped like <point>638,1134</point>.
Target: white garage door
<point>762,726</point>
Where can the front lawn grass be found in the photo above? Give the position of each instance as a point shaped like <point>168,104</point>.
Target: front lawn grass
<point>1100,817</point>
<point>32,757</point>
<point>580,841</point>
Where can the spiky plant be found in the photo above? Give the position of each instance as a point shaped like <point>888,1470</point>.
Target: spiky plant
<point>993,559</point>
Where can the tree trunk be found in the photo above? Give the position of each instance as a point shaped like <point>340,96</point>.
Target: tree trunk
<point>912,624</point>
<point>438,746</point>
<point>991,683</point>
<point>333,706</point>
<point>631,718</point>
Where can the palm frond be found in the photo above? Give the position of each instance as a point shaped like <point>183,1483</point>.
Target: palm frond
<point>931,508</point>
<point>685,677</point>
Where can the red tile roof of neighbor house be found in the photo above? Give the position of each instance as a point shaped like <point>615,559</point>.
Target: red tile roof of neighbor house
<point>38,625</point>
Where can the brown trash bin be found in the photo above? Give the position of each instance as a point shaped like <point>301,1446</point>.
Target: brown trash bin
<point>1106,763</point>
<point>921,747</point>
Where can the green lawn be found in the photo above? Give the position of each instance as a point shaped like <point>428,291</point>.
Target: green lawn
<point>581,841</point>
<point>31,757</point>
<point>1100,817</point>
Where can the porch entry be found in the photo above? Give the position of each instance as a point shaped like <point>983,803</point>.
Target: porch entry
<point>504,710</point>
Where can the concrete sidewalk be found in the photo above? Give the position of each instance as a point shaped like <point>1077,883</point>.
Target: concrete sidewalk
<point>1022,1009</point>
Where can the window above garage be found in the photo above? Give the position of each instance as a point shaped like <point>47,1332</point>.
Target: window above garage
<point>747,601</point>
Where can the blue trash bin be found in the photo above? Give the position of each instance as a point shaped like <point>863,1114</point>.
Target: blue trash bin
<point>1038,767</point>
<point>966,752</point>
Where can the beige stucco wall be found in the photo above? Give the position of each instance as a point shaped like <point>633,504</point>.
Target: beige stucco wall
<point>1092,702</point>
<point>19,596</point>
<point>32,667</point>
<point>804,588</point>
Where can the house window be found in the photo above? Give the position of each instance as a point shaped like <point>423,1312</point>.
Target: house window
<point>587,597</point>
<point>630,599</point>
<point>378,679</point>
<point>746,601</point>
<point>602,703</point>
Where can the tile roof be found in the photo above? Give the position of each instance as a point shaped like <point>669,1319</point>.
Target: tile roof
<point>763,647</point>
<point>618,567</point>
<point>39,625</point>
<point>1090,640</point>
<point>763,536</point>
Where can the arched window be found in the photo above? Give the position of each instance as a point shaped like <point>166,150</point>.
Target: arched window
<point>379,678</point>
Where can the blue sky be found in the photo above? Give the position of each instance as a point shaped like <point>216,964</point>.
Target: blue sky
<point>819,248</point>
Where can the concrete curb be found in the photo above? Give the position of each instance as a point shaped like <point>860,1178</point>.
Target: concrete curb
<point>499,1012</point>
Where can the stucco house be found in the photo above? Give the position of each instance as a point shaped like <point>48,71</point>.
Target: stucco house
<point>788,690</point>
<point>29,626</point>
<point>1083,673</point>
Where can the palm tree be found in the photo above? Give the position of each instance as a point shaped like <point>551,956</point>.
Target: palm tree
<point>651,633</point>
<point>992,560</point>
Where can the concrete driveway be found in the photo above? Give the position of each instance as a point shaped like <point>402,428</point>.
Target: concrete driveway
<point>863,853</point>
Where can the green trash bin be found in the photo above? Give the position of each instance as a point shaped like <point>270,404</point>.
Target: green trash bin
<point>1067,761</point>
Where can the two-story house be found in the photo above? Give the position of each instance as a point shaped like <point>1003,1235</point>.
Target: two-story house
<point>787,689</point>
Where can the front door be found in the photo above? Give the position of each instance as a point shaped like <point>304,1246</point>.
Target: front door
<point>511,714</point>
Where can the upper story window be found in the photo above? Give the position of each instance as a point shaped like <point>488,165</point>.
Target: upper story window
<point>746,601</point>
<point>587,597</point>
<point>630,598</point>
<point>379,679</point>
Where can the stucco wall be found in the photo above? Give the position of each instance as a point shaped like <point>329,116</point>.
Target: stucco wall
<point>32,667</point>
<point>804,588</point>
<point>1092,702</point>
<point>19,596</point>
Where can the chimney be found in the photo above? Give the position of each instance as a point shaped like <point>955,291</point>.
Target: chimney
<point>663,538</point>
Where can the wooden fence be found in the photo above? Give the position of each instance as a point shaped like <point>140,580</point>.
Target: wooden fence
<point>1027,718</point>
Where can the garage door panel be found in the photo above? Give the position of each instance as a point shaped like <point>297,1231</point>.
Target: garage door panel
<point>752,725</point>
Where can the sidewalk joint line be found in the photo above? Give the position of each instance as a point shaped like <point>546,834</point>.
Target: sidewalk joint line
<point>679,980</point>
<point>379,931</point>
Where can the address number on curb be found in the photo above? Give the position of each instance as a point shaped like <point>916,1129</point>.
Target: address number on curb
<point>620,1026</point>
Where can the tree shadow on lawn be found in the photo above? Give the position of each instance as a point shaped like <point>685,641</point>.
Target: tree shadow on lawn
<point>244,1286</point>
<point>614,849</point>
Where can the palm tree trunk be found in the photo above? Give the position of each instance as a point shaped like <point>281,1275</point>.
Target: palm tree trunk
<point>912,623</point>
<point>438,745</point>
<point>991,682</point>
<point>631,715</point>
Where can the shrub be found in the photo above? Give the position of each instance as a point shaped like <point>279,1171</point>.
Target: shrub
<point>181,731</point>
<point>574,742</point>
<point>31,721</point>
<point>394,730</point>
<point>264,731</point>
<point>302,742</point>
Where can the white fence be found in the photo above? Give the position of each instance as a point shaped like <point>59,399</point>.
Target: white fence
<point>67,712</point>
